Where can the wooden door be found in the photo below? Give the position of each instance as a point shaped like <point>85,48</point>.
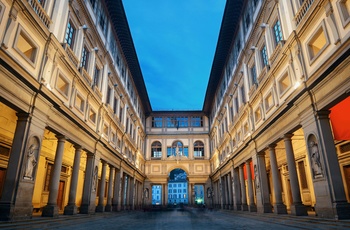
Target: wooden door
<point>2,179</point>
<point>60,195</point>
<point>347,178</point>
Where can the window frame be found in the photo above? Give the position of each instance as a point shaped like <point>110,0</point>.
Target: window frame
<point>25,35</point>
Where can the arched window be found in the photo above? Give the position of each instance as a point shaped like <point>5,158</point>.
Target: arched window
<point>198,149</point>
<point>156,149</point>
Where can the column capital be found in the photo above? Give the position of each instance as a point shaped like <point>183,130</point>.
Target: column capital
<point>261,154</point>
<point>77,147</point>
<point>60,137</point>
<point>323,114</point>
<point>288,136</point>
<point>103,162</point>
<point>248,161</point>
<point>272,146</point>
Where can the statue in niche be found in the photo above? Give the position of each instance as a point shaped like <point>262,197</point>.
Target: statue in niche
<point>315,160</point>
<point>257,182</point>
<point>31,162</point>
<point>146,193</point>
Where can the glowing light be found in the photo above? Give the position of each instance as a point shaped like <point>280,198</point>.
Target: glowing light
<point>296,85</point>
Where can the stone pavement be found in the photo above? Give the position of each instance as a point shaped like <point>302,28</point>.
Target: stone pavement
<point>177,219</point>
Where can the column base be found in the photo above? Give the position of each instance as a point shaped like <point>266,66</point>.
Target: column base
<point>50,210</point>
<point>70,209</point>
<point>298,210</point>
<point>252,208</point>
<point>238,207</point>
<point>87,209</point>
<point>265,208</point>
<point>338,211</point>
<point>108,208</point>
<point>280,209</point>
<point>100,208</point>
<point>9,212</point>
<point>244,207</point>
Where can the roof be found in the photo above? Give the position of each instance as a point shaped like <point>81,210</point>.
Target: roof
<point>229,25</point>
<point>118,17</point>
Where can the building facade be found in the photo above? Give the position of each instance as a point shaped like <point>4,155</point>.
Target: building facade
<point>78,134</point>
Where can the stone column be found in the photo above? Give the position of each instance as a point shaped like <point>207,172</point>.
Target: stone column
<point>166,194</point>
<point>109,206</point>
<point>51,209</point>
<point>262,185</point>
<point>229,186</point>
<point>88,205</point>
<point>16,200</point>
<point>190,194</point>
<point>132,193</point>
<point>126,201</point>
<point>243,190</point>
<point>71,208</point>
<point>329,189</point>
<point>297,208</point>
<point>116,190</point>
<point>221,193</point>
<point>279,207</point>
<point>227,198</point>
<point>120,189</point>
<point>252,205</point>
<point>101,197</point>
<point>236,190</point>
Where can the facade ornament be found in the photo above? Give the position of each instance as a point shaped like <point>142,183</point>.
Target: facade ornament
<point>31,162</point>
<point>315,160</point>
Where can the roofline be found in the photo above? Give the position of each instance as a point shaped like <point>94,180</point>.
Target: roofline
<point>229,25</point>
<point>120,23</point>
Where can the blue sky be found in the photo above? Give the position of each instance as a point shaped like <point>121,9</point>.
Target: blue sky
<point>175,41</point>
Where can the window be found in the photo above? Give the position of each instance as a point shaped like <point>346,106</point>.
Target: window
<point>243,94</point>
<point>196,121</point>
<point>79,102</point>
<point>269,101</point>
<point>264,57</point>
<point>344,9</point>
<point>84,58</point>
<point>121,114</point>
<point>62,85</point>
<point>2,9</point>
<point>254,79</point>
<point>92,116</point>
<point>257,115</point>
<point>108,96</point>
<point>4,151</point>
<point>177,147</point>
<point>96,76</point>
<point>115,105</point>
<point>198,149</point>
<point>284,83</point>
<point>277,32</point>
<point>47,177</point>
<point>317,43</point>
<point>70,35</point>
<point>26,47</point>
<point>157,122</point>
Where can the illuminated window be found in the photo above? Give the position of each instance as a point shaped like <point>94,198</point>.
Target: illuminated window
<point>284,83</point>
<point>26,46</point>
<point>198,149</point>
<point>277,32</point>
<point>269,101</point>
<point>62,85</point>
<point>257,115</point>
<point>79,102</point>
<point>317,43</point>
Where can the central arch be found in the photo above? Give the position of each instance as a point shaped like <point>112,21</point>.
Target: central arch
<point>177,187</point>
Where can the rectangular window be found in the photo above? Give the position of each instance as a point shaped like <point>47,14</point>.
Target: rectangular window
<point>79,102</point>
<point>284,83</point>
<point>108,97</point>
<point>96,76</point>
<point>243,94</point>
<point>254,78</point>
<point>157,122</point>
<point>70,34</point>
<point>196,121</point>
<point>169,152</point>
<point>317,43</point>
<point>26,47</point>
<point>84,58</point>
<point>277,32</point>
<point>269,101</point>
<point>264,57</point>
<point>62,85</point>
<point>92,116</point>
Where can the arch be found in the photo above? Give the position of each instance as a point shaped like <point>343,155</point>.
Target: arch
<point>156,149</point>
<point>171,168</point>
<point>198,149</point>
